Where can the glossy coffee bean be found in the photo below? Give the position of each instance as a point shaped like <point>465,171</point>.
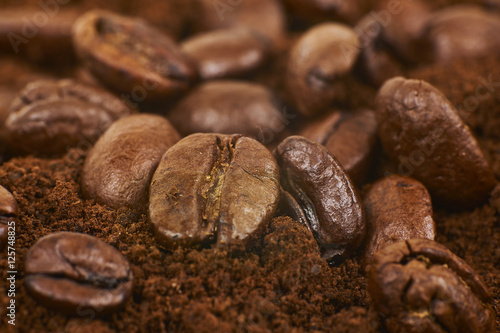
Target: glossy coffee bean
<point>397,208</point>
<point>349,136</point>
<point>229,107</point>
<point>317,63</point>
<point>324,193</point>
<point>118,169</point>
<point>422,132</point>
<point>460,32</point>
<point>213,187</point>
<point>130,56</point>
<point>8,213</point>
<point>48,117</point>
<point>226,52</point>
<point>420,286</point>
<point>335,10</point>
<point>76,273</point>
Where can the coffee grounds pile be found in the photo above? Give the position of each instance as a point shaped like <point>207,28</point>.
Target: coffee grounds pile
<point>281,284</point>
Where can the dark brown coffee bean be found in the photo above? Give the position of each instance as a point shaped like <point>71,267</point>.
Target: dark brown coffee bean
<point>418,286</point>
<point>349,136</point>
<point>50,117</point>
<point>132,57</point>
<point>421,131</point>
<point>317,64</point>
<point>230,107</point>
<point>397,208</point>
<point>226,52</point>
<point>8,213</point>
<point>76,273</point>
<point>211,186</point>
<point>118,169</point>
<point>334,10</point>
<point>325,194</point>
<point>458,32</point>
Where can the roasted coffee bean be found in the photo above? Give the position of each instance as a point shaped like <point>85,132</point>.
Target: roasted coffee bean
<point>349,136</point>
<point>8,213</point>
<point>459,32</point>
<point>335,10</point>
<point>421,131</point>
<point>118,169</point>
<point>418,286</point>
<point>213,186</point>
<point>230,107</point>
<point>316,65</point>
<point>76,273</point>
<point>226,52</point>
<point>130,56</point>
<point>325,194</point>
<point>397,208</point>
<point>50,117</point>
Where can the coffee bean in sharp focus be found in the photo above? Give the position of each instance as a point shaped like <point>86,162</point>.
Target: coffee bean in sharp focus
<point>317,64</point>
<point>230,107</point>
<point>325,194</point>
<point>118,169</point>
<point>48,117</point>
<point>349,136</point>
<point>132,57</point>
<point>213,187</point>
<point>397,208</point>
<point>422,132</point>
<point>418,286</point>
<point>8,213</point>
<point>77,273</point>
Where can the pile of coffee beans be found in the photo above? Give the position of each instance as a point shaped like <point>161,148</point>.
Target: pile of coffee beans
<point>243,112</point>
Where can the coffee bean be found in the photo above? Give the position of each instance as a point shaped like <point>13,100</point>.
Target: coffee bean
<point>460,32</point>
<point>317,64</point>
<point>226,52</point>
<point>213,186</point>
<point>325,194</point>
<point>118,169</point>
<point>334,10</point>
<point>76,273</point>
<point>349,136</point>
<point>130,56</point>
<point>50,117</point>
<point>397,208</point>
<point>420,286</point>
<point>230,107</point>
<point>8,213</point>
<point>421,131</point>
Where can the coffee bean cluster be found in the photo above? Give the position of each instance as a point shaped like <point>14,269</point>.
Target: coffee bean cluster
<point>204,173</point>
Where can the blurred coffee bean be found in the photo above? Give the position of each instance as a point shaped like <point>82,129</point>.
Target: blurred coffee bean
<point>349,136</point>
<point>8,213</point>
<point>335,10</point>
<point>48,117</point>
<point>422,132</point>
<point>325,194</point>
<point>132,57</point>
<point>118,169</point>
<point>72,272</point>
<point>226,52</point>
<point>460,32</point>
<point>213,187</point>
<point>317,64</point>
<point>418,285</point>
<point>230,107</point>
<point>397,208</point>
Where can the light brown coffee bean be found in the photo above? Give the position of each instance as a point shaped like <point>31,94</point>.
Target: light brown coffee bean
<point>397,208</point>
<point>130,56</point>
<point>76,273</point>
<point>118,169</point>
<point>48,117</point>
<point>349,136</point>
<point>421,131</point>
<point>334,10</point>
<point>317,64</point>
<point>8,214</point>
<point>226,52</point>
<point>213,187</point>
<point>324,193</point>
<point>230,107</point>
